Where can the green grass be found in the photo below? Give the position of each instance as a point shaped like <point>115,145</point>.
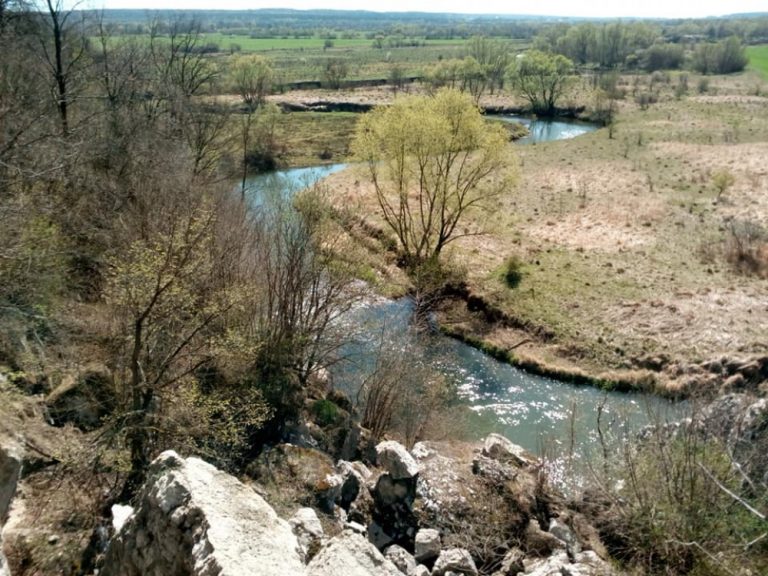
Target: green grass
<point>758,59</point>
<point>248,44</point>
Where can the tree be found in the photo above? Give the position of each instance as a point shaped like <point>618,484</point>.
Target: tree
<point>432,160</point>
<point>252,78</point>
<point>541,79</point>
<point>493,57</point>
<point>334,73</point>
<point>725,57</point>
<point>62,51</point>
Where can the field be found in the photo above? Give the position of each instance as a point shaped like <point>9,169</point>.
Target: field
<point>624,241</point>
<point>758,59</point>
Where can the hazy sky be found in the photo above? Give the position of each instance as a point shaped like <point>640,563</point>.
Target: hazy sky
<point>590,8</point>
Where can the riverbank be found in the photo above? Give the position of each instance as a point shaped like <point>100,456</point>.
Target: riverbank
<point>627,248</point>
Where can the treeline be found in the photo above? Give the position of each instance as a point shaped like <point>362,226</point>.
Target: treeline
<point>270,23</point>
<point>650,47</point>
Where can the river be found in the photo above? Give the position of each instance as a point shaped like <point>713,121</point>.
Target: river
<point>543,415</point>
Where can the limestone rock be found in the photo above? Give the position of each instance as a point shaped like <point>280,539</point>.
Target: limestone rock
<point>351,555</point>
<point>565,535</point>
<point>420,570</point>
<point>395,459</point>
<point>512,565</point>
<point>456,560</point>
<point>193,519</point>
<point>427,545</point>
<point>308,530</point>
<point>584,564</point>
<point>401,558</point>
<point>500,448</point>
<point>10,470</point>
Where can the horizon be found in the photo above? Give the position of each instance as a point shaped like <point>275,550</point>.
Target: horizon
<point>598,9</point>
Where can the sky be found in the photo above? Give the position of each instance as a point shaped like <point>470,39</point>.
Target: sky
<point>589,8</point>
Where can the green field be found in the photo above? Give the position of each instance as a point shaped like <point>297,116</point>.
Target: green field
<point>248,44</point>
<point>758,58</point>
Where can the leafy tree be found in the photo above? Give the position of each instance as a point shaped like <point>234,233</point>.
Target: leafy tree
<point>431,161</point>
<point>724,57</point>
<point>541,79</point>
<point>252,78</point>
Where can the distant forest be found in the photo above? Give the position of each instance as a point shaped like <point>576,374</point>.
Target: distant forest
<point>335,24</point>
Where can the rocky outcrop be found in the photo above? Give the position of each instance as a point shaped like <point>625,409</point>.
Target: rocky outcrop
<point>10,471</point>
<point>193,519</point>
<point>396,460</point>
<point>454,561</point>
<point>559,564</point>
<point>429,511</point>
<point>349,554</point>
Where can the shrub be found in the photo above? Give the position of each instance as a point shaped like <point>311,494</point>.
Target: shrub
<point>746,247</point>
<point>676,510</point>
<point>513,271</point>
<point>326,413</point>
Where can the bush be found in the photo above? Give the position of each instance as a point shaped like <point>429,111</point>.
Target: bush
<point>326,413</point>
<point>725,57</point>
<point>671,512</point>
<point>513,271</point>
<point>663,57</point>
<point>746,248</point>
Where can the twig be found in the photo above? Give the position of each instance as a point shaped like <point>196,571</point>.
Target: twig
<point>732,494</point>
<point>748,545</point>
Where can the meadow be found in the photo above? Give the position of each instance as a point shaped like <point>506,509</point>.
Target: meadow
<point>758,59</point>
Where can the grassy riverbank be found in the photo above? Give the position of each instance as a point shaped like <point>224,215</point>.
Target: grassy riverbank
<point>630,254</point>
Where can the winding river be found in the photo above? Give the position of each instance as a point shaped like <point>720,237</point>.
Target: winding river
<point>543,415</point>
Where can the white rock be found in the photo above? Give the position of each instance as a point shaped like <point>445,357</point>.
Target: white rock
<point>120,514</point>
<point>584,564</point>
<point>307,528</point>
<point>420,570</point>
<point>455,560</point>
<point>401,558</point>
<point>349,554</point>
<point>427,544</point>
<point>500,448</point>
<point>393,457</point>
<point>10,471</point>
<point>193,519</point>
<point>564,534</point>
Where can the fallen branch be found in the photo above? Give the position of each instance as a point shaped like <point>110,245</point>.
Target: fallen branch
<point>733,494</point>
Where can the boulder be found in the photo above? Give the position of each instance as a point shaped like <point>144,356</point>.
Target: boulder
<point>308,530</point>
<point>401,558</point>
<point>456,560</point>
<point>349,554</point>
<point>502,449</point>
<point>583,564</point>
<point>420,570</point>
<point>395,459</point>
<point>190,518</point>
<point>512,564</point>
<point>10,471</point>
<point>563,533</point>
<point>427,544</point>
